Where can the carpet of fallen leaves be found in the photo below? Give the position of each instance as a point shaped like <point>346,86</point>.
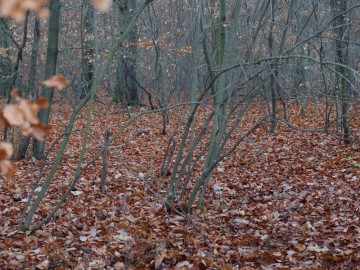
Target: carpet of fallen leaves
<point>284,201</point>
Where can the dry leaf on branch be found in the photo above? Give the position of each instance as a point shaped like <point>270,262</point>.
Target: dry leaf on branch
<point>42,103</point>
<point>57,81</point>
<point>6,150</point>
<point>102,5</point>
<point>25,116</point>
<point>17,9</point>
<point>13,115</point>
<point>8,168</point>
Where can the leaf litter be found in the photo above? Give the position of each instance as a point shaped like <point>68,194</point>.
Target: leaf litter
<point>296,206</point>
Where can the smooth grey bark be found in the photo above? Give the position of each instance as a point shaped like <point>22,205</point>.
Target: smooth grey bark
<point>126,89</point>
<point>5,60</point>
<point>341,32</point>
<point>30,89</point>
<point>273,76</point>
<point>50,69</point>
<point>88,32</point>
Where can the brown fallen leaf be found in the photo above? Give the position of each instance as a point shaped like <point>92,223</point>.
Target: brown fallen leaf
<point>182,265</point>
<point>43,265</point>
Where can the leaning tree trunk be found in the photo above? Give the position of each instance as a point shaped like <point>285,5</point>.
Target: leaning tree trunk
<point>50,69</point>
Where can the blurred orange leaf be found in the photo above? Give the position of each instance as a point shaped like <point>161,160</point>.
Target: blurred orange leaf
<point>42,103</point>
<point>6,150</point>
<point>40,131</point>
<point>8,168</point>
<point>29,110</point>
<point>102,5</point>
<point>13,115</point>
<point>17,9</point>
<point>57,81</point>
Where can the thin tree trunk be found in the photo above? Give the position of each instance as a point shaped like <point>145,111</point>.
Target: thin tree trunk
<point>5,59</point>
<point>273,79</point>
<point>104,164</point>
<point>88,46</point>
<point>341,30</point>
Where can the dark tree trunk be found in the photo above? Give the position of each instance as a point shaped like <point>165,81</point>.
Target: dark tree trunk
<point>126,89</point>
<point>50,69</point>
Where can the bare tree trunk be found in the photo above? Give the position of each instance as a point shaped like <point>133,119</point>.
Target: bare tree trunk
<point>126,89</point>
<point>341,31</point>
<point>5,58</point>
<point>20,149</point>
<point>50,69</point>
<point>88,47</point>
<point>104,160</point>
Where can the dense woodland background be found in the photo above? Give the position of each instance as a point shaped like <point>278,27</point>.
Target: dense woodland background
<point>194,134</point>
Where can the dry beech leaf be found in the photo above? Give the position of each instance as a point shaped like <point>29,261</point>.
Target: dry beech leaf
<point>183,265</point>
<point>13,115</point>
<point>17,9</point>
<point>42,103</point>
<point>13,9</point>
<point>15,94</point>
<point>34,4</point>
<point>102,5</point>
<point>26,129</point>
<point>119,266</point>
<point>8,168</point>
<point>57,81</point>
<point>3,121</point>
<point>40,131</point>
<point>25,114</point>
<point>43,13</point>
<point>161,254</point>
<point>30,111</point>
<point>6,150</point>
<point>43,265</point>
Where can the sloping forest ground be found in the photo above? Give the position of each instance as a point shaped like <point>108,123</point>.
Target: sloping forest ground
<point>286,201</point>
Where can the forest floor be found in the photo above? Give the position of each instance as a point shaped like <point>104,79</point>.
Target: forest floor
<point>284,201</point>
